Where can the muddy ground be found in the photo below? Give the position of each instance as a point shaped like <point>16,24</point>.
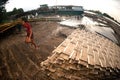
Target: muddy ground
<point>20,61</point>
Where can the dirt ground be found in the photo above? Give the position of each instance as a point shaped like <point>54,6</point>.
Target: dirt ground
<point>20,61</point>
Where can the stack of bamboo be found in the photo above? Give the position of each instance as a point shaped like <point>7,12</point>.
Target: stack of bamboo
<point>83,56</point>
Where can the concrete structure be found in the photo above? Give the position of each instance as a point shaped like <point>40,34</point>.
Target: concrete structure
<point>61,10</point>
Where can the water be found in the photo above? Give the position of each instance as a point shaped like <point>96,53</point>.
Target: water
<point>91,26</point>
<point>71,22</point>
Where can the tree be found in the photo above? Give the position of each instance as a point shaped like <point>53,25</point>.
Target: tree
<point>20,10</point>
<point>2,9</point>
<point>15,11</point>
<point>105,14</point>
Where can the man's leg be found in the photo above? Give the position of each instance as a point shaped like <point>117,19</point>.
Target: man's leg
<point>33,43</point>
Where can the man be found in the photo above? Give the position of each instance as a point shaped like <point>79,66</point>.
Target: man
<point>29,37</point>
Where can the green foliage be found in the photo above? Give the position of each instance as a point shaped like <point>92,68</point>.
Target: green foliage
<point>6,15</point>
<point>105,14</point>
<point>13,14</point>
<point>2,10</point>
<point>95,11</point>
<point>20,10</point>
<point>2,2</point>
<point>17,11</point>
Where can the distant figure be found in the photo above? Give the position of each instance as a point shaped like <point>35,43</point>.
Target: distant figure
<point>29,37</point>
<point>18,26</point>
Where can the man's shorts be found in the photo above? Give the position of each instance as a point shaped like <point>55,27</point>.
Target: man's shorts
<point>28,34</point>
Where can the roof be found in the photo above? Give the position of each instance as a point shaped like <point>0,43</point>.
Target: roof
<point>66,6</point>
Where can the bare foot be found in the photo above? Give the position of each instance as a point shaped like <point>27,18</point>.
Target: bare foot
<point>37,47</point>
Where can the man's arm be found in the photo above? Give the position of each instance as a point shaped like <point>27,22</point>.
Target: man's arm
<point>30,33</point>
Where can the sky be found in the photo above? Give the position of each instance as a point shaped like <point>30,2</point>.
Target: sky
<point>106,6</point>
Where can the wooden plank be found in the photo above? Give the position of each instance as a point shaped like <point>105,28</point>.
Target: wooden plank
<point>90,60</point>
<point>59,49</point>
<point>102,60</point>
<point>69,49</point>
<point>84,54</point>
<point>96,58</point>
<point>66,42</point>
<point>73,55</point>
<point>78,53</point>
<point>64,56</point>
